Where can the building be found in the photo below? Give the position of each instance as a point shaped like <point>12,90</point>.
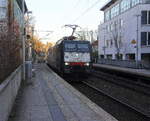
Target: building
<point>11,31</point>
<point>126,25</point>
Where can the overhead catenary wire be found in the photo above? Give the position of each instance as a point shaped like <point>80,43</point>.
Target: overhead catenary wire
<point>87,10</point>
<point>77,3</point>
<point>75,6</point>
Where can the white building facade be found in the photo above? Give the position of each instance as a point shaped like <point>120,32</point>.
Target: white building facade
<point>126,26</point>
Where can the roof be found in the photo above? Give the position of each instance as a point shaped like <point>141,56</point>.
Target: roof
<point>20,5</point>
<point>108,4</point>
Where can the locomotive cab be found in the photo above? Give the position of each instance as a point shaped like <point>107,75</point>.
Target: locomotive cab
<point>76,56</point>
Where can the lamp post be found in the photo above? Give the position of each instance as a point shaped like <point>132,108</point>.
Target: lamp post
<point>137,41</point>
<point>28,20</point>
<point>23,40</point>
<point>29,58</point>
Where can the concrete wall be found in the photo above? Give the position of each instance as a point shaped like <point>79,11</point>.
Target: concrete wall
<point>8,91</point>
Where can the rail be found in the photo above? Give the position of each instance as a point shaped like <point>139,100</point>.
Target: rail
<point>124,82</point>
<point>140,111</point>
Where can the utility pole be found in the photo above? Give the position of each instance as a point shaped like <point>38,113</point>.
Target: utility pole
<point>137,41</point>
<point>32,32</point>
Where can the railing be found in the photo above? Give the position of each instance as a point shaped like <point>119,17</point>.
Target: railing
<point>125,63</point>
<point>8,91</point>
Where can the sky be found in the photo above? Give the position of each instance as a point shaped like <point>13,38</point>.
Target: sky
<point>52,15</point>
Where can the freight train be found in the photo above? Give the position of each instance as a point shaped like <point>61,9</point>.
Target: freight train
<point>70,56</point>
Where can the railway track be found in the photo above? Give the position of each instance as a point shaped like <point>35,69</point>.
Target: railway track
<point>137,112</point>
<point>118,108</point>
<point>124,82</point>
<point>140,111</point>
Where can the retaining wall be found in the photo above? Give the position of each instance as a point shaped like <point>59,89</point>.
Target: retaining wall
<point>8,92</point>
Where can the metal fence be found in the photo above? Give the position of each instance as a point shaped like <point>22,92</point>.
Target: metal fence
<point>125,63</point>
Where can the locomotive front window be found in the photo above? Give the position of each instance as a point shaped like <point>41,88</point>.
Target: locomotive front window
<point>83,47</point>
<point>70,47</point>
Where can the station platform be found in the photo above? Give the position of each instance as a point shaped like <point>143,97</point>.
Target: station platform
<point>48,97</point>
<point>139,72</point>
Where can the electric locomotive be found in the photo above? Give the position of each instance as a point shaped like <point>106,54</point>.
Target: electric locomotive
<point>70,56</point>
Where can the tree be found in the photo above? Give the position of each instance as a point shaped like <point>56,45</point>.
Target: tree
<point>47,46</point>
<point>117,39</point>
<point>82,35</point>
<point>85,34</point>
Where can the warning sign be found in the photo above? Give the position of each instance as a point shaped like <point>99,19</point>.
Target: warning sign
<point>133,41</point>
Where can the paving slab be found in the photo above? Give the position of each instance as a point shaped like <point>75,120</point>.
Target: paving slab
<point>30,104</point>
<point>50,98</point>
<point>72,101</point>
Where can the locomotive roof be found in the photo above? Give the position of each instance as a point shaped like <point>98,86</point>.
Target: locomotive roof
<point>76,41</point>
<point>80,41</point>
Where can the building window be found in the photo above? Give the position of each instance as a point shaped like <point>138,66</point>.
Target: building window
<point>107,28</point>
<point>130,56</point>
<point>115,11</point>
<point>111,43</point>
<point>135,2</point>
<point>145,17</point>
<point>102,56</point>
<point>145,38</point>
<point>148,38</point>
<point>111,27</point>
<point>3,3</point>
<point>107,43</point>
<point>109,56</point>
<point>148,17</point>
<point>107,16</point>
<point>146,1</point>
<point>120,23</point>
<point>125,5</point>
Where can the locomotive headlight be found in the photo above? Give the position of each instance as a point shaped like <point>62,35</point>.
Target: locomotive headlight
<point>66,64</point>
<point>87,64</point>
<point>77,54</point>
